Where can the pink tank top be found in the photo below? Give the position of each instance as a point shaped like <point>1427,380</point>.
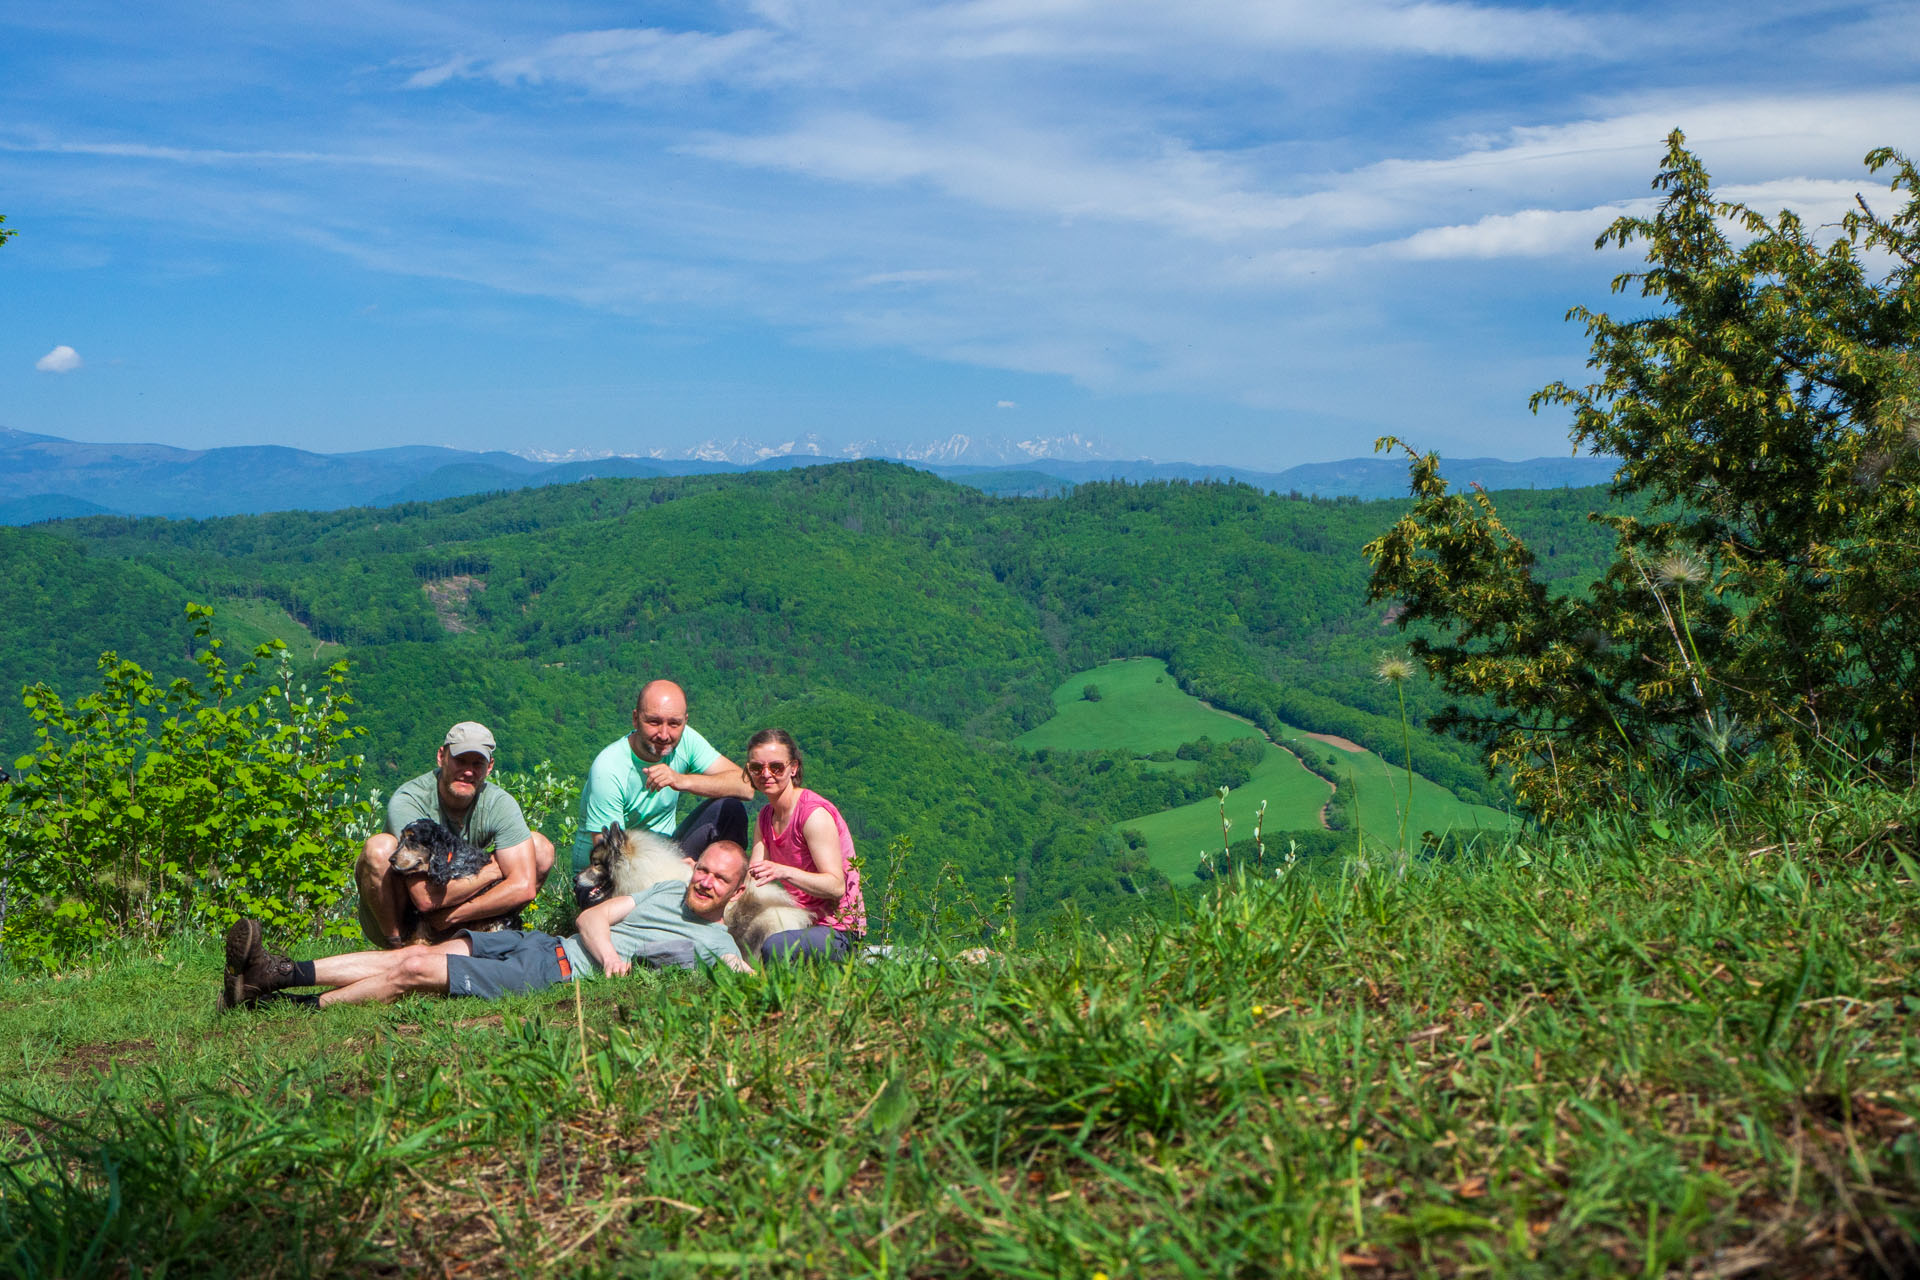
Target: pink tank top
<point>849,915</point>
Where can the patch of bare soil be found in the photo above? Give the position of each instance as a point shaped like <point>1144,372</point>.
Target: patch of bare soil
<point>1334,740</point>
<point>101,1059</point>
<point>450,596</point>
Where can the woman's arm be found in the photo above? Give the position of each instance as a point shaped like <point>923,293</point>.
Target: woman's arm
<point>829,880</point>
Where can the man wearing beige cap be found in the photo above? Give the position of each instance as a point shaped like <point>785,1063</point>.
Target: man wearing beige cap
<point>455,794</point>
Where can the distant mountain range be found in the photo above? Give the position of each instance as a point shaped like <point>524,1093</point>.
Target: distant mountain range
<point>47,478</point>
<point>954,450</point>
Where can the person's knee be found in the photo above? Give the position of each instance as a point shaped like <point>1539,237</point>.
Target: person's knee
<point>421,968</point>
<point>730,819</point>
<point>376,858</point>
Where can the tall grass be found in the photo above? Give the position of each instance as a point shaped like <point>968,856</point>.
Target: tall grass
<point>1597,1053</point>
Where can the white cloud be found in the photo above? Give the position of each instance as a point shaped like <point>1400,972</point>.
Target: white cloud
<point>1006,404</point>
<point>865,42</point>
<point>1530,233</point>
<point>62,359</point>
<point>1013,167</point>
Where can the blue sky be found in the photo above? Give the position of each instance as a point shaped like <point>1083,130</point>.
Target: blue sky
<point>1249,233</point>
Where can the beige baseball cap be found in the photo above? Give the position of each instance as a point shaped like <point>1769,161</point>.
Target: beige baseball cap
<point>469,735</point>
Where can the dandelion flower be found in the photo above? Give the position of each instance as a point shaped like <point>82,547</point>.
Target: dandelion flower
<point>1680,569</point>
<point>1393,668</point>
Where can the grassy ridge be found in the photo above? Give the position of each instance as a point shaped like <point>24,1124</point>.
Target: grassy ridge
<point>1598,1055</point>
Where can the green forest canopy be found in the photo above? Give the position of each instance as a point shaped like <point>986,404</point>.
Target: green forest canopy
<point>907,629</point>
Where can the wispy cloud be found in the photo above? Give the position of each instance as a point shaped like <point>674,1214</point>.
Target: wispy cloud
<point>913,276</point>
<point>855,42</point>
<point>1233,203</point>
<point>623,60</point>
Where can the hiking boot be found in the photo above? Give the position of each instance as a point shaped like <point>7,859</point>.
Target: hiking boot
<point>243,939</point>
<point>252,972</point>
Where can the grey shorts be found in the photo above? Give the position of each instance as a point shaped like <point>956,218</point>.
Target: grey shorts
<point>506,963</point>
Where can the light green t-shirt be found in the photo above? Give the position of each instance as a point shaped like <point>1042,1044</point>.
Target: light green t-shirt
<point>661,930</point>
<point>494,822</point>
<point>616,791</point>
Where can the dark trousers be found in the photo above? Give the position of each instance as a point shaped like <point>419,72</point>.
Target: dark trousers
<point>721,818</point>
<point>816,943</point>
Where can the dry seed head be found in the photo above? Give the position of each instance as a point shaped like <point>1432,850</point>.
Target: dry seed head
<point>1680,569</point>
<point>1393,668</point>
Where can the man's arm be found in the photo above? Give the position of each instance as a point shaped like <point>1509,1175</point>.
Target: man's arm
<point>595,926</point>
<point>516,879</point>
<point>721,777</point>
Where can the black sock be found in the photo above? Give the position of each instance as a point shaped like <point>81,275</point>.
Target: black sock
<point>302,974</point>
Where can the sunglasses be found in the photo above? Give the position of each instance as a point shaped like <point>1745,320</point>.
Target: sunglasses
<point>768,768</point>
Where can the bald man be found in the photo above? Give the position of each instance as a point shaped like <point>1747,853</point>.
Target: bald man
<point>639,779</point>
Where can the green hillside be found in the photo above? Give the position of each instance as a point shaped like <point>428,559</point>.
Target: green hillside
<point>1140,710</point>
<point>892,596</point>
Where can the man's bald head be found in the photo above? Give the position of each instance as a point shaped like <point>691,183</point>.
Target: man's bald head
<point>664,694</point>
<point>659,718</point>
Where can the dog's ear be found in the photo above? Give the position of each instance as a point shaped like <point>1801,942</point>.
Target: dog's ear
<point>616,837</point>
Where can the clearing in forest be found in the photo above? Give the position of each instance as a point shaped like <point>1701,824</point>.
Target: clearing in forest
<point>1142,710</point>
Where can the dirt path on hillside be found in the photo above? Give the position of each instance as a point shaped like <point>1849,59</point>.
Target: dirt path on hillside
<point>1338,742</point>
<point>1334,740</point>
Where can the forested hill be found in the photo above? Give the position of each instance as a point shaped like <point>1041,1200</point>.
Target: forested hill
<point>905,623</point>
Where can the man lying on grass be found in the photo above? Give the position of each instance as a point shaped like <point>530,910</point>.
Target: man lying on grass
<point>667,924</point>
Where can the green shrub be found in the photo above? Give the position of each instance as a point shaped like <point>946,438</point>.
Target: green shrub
<point>144,810</point>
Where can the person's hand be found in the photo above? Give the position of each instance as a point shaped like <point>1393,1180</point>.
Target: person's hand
<point>769,871</point>
<point>736,964</point>
<point>617,967</point>
<point>661,778</point>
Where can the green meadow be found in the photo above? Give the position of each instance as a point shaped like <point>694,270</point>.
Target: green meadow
<point>1689,1051</point>
<point>1141,709</point>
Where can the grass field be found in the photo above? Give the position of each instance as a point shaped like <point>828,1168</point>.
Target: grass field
<point>1690,1051</point>
<point>1142,710</point>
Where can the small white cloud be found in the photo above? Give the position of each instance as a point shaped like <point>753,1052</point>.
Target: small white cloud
<point>62,359</point>
<point>1005,404</point>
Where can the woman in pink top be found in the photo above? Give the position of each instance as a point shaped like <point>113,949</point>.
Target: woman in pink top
<point>803,843</point>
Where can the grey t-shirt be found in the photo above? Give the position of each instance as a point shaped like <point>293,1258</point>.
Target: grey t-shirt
<point>660,930</point>
<point>494,822</point>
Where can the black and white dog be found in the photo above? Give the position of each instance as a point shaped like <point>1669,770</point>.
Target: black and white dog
<point>430,849</point>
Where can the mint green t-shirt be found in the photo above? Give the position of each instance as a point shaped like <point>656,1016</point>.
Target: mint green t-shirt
<point>494,822</point>
<point>661,930</point>
<point>616,791</point>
